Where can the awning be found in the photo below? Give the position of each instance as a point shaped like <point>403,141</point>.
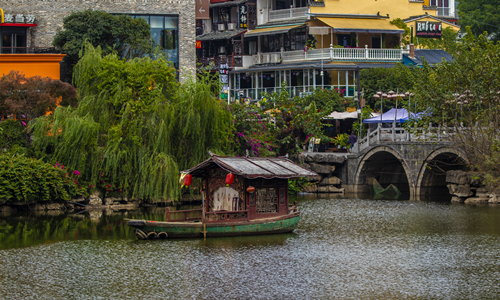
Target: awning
<point>342,115</point>
<point>271,30</point>
<point>400,115</point>
<point>361,25</point>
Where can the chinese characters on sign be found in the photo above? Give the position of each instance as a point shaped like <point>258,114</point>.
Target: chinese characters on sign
<point>428,29</point>
<point>224,80</point>
<point>19,18</point>
<point>198,44</point>
<point>242,12</point>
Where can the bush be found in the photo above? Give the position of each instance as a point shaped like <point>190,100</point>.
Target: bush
<point>11,135</point>
<point>28,179</point>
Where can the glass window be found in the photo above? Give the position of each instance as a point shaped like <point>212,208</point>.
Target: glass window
<point>157,22</point>
<point>164,31</point>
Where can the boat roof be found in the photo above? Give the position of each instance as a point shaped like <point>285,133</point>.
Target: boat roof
<point>252,167</point>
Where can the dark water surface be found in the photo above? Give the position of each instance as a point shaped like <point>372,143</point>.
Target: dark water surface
<point>342,249</point>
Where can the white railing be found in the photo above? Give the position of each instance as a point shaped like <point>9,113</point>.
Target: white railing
<point>368,54</point>
<point>401,134</point>
<point>287,14</point>
<point>329,54</point>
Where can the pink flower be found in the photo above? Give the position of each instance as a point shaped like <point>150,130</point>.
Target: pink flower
<point>76,172</point>
<point>62,167</point>
<point>103,181</point>
<point>120,190</point>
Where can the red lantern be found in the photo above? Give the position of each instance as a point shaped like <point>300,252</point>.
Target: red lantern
<point>229,178</point>
<point>250,189</point>
<point>188,179</point>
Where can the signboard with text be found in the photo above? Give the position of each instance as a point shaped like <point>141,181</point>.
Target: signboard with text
<point>242,16</point>
<point>16,18</point>
<point>202,9</point>
<point>428,29</point>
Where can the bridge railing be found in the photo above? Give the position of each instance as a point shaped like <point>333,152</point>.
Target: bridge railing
<point>396,134</point>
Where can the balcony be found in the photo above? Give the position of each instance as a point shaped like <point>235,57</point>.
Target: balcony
<point>287,14</point>
<point>212,63</point>
<point>446,12</point>
<point>331,54</point>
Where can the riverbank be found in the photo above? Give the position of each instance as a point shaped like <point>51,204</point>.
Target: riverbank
<point>91,203</point>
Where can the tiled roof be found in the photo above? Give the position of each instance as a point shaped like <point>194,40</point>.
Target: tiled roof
<point>220,35</point>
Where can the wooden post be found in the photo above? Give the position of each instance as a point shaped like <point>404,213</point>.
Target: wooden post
<point>203,215</point>
<point>167,210</point>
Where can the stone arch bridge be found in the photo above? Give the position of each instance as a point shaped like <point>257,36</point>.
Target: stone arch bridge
<point>416,168</point>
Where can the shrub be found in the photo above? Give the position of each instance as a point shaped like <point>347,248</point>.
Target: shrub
<point>28,179</point>
<point>11,135</point>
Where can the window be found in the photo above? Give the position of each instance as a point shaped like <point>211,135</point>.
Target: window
<point>164,31</point>
<point>267,200</point>
<point>12,39</point>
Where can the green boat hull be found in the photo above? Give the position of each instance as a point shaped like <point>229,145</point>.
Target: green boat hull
<point>152,229</point>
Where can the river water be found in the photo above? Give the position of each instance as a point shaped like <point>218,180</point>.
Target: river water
<point>342,249</point>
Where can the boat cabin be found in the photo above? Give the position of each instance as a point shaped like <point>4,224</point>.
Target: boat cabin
<point>258,189</point>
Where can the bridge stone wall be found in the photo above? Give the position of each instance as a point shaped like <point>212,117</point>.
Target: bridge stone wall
<point>409,159</point>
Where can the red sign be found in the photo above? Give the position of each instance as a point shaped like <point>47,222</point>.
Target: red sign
<point>202,9</point>
<point>198,44</point>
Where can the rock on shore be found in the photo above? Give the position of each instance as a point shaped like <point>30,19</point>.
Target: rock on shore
<point>468,187</point>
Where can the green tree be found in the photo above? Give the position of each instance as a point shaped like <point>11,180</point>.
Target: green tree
<point>326,100</point>
<point>384,79</point>
<point>295,121</point>
<point>136,127</point>
<point>123,35</point>
<point>464,94</point>
<point>480,16</point>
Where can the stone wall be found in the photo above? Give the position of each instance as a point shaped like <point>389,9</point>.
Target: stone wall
<point>49,15</point>
<point>326,165</point>
<point>468,187</point>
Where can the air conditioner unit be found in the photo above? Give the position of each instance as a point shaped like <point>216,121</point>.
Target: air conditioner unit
<point>231,26</point>
<point>221,27</point>
<point>257,59</point>
<point>275,58</point>
<point>266,58</point>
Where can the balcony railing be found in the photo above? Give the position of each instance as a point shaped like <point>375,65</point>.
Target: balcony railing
<point>212,63</point>
<point>287,14</point>
<point>446,12</point>
<point>341,54</point>
<point>27,50</point>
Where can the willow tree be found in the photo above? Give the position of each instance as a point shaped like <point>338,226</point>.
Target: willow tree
<point>135,126</point>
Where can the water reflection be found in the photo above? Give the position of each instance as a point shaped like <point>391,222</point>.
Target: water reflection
<point>342,249</point>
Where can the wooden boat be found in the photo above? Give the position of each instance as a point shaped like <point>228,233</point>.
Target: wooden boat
<point>254,202</point>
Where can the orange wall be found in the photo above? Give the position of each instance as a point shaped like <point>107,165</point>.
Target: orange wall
<point>44,65</point>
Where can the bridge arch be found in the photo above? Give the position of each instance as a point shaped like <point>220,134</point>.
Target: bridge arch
<point>387,166</point>
<point>431,179</point>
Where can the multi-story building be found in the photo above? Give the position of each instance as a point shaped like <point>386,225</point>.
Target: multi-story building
<point>307,44</point>
<point>29,26</point>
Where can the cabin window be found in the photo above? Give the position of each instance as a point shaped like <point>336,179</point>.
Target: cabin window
<point>266,200</point>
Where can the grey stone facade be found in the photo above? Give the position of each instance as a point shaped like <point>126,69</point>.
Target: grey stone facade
<point>49,16</point>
